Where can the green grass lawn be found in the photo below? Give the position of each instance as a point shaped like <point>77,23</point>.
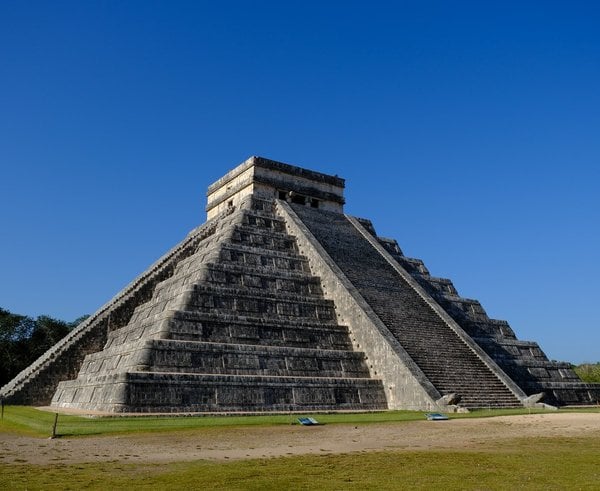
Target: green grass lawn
<point>535,463</point>
<point>29,420</point>
<point>541,463</point>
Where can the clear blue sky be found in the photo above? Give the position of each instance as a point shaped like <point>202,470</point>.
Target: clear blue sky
<point>470,132</point>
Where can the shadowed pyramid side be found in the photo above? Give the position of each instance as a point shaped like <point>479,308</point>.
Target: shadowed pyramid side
<point>443,355</point>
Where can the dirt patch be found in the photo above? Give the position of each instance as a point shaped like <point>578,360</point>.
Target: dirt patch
<point>273,441</point>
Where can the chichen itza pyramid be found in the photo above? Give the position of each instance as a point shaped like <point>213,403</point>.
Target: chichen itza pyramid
<point>281,302</point>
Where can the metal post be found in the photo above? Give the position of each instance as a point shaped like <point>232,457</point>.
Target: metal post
<point>54,425</point>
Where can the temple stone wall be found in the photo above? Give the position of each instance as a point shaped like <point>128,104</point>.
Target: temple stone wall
<point>267,179</point>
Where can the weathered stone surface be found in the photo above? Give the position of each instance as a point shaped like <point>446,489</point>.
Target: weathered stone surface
<point>240,325</point>
<point>280,302</point>
<point>446,356</point>
<point>523,361</point>
<point>451,399</point>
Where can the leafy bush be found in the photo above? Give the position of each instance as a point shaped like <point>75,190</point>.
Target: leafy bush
<point>588,372</point>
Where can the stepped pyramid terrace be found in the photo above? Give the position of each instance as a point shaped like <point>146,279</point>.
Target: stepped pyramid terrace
<point>281,302</point>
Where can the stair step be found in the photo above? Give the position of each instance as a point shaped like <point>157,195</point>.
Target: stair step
<point>210,327</point>
<point>265,239</point>
<point>225,358</point>
<point>222,291</point>
<point>263,281</point>
<point>177,392</point>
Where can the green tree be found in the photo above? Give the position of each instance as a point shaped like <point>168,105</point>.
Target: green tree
<point>23,340</point>
<point>15,330</point>
<point>46,333</point>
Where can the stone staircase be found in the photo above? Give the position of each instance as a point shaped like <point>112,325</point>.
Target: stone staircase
<point>523,361</point>
<point>445,359</point>
<point>241,325</point>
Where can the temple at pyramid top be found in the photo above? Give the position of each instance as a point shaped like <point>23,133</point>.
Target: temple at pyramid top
<point>269,179</point>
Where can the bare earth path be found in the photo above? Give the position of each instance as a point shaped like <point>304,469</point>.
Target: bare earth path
<point>255,442</point>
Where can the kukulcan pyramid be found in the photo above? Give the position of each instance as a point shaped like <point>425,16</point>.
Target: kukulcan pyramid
<point>281,302</point>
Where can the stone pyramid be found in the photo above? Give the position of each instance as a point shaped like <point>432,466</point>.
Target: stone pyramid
<point>281,302</point>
